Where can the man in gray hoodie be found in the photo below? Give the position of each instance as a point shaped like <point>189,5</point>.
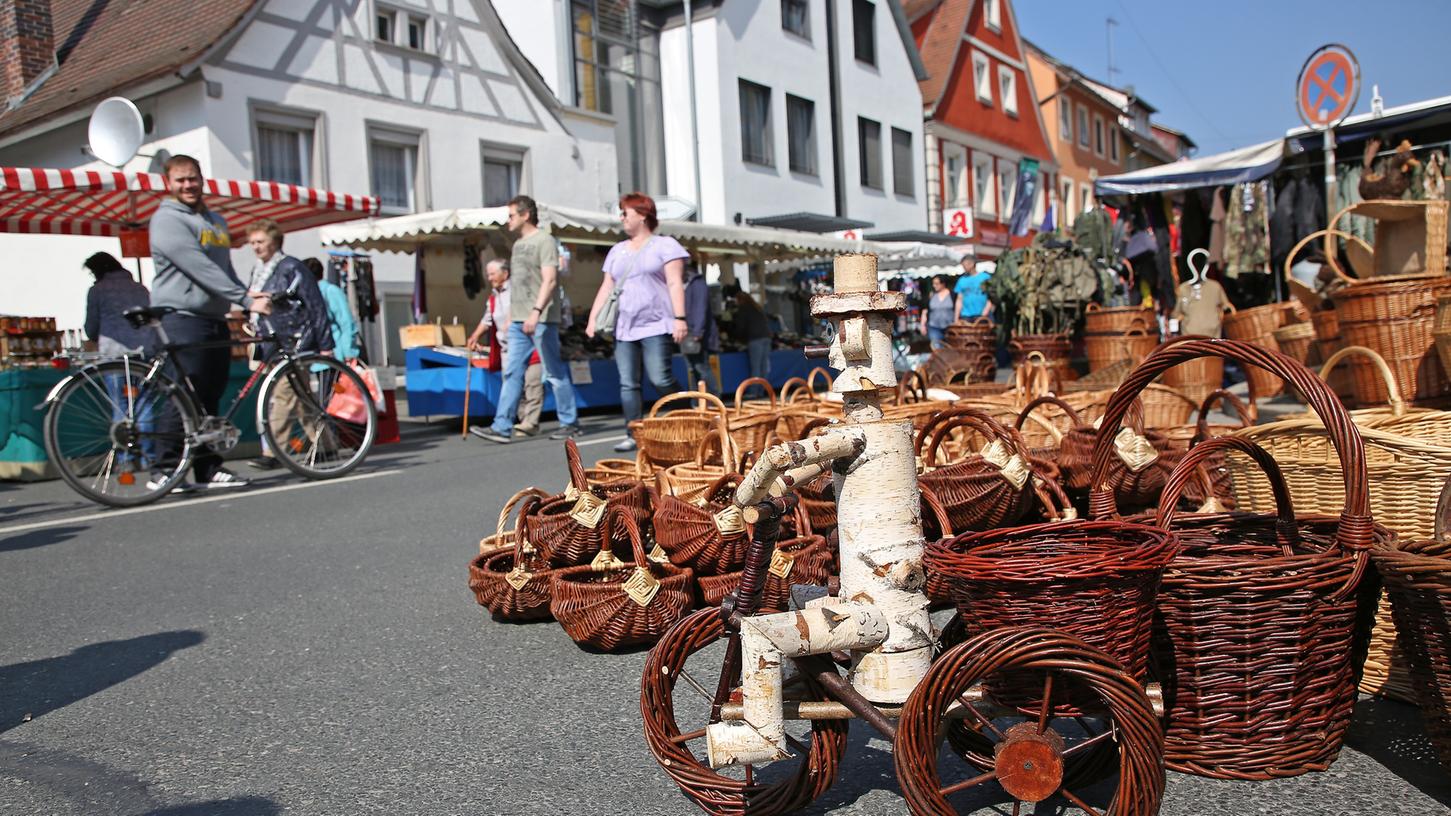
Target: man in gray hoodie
<point>191,247</point>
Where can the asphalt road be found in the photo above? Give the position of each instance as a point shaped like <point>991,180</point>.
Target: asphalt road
<point>312,648</point>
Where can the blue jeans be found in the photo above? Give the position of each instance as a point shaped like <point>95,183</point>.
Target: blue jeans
<point>937,336</point>
<point>697,369</point>
<point>758,353</point>
<point>556,375</point>
<point>140,406</point>
<point>656,353</point>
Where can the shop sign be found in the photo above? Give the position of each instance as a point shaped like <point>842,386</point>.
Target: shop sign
<point>992,235</point>
<point>579,372</point>
<point>135,243</point>
<point>1328,86</point>
<point>848,235</point>
<point>958,222</point>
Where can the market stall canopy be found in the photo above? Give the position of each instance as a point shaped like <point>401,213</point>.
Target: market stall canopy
<point>895,259</point>
<point>1231,167</point>
<point>405,233</point>
<point>1426,113</point>
<point>106,202</point>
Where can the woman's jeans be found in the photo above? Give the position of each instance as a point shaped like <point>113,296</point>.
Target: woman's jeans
<point>937,336</point>
<point>655,352</point>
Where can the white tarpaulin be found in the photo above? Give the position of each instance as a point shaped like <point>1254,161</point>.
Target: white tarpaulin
<point>1231,167</point>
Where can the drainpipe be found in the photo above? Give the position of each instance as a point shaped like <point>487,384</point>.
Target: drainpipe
<point>934,183</point>
<point>838,170</point>
<point>694,133</point>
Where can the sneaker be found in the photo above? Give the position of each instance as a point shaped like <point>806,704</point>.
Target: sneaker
<point>567,432</point>
<point>626,445</point>
<point>521,432</point>
<point>264,463</point>
<point>489,434</point>
<point>158,479</point>
<point>224,478</point>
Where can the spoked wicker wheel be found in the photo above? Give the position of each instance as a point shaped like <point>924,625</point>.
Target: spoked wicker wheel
<point>1029,752</point>
<point>689,660</point>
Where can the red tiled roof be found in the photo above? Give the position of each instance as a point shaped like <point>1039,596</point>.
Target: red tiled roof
<point>939,44</point>
<point>105,45</point>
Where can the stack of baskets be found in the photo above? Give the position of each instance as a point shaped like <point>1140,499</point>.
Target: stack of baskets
<point>1396,318</point>
<point>976,343</point>
<point>1117,334</point>
<point>1258,326</point>
<point>1056,349</point>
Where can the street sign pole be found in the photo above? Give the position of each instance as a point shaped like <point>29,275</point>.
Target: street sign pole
<point>1325,93</point>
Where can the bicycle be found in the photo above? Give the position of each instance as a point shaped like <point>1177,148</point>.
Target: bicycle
<point>123,432</point>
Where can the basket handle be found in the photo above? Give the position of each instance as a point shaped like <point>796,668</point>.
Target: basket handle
<point>1192,465</point>
<point>976,321</point>
<point>703,396</point>
<point>943,417</point>
<point>749,381</point>
<point>622,516</point>
<point>1139,323</point>
<point>726,479</point>
<point>789,389</point>
<point>912,384</point>
<point>1047,400</point>
<point>576,467</point>
<point>977,421</point>
<point>509,508</point>
<point>1356,528</point>
<point>1092,307</point>
<point>1136,332</point>
<point>819,371</point>
<point>1223,397</point>
<point>1053,497</point>
<point>1398,405</point>
<point>521,530</point>
<point>929,497</point>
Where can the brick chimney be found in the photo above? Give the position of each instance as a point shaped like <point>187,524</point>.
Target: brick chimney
<point>27,45</point>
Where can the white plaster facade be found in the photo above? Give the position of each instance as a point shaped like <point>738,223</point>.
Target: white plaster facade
<point>468,91</point>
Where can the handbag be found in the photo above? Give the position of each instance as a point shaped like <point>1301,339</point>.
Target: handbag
<point>610,311</point>
<point>496,350</point>
<point>347,402</point>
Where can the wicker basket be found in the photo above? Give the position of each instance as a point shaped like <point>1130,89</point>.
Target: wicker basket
<point>609,603</point>
<point>1296,340</point>
<point>513,584</point>
<point>800,560</point>
<point>752,423</point>
<point>1056,349</point>
<point>1181,439</point>
<point>986,489</point>
<point>1119,319</point>
<point>566,530</point>
<point>672,438</point>
<point>690,481</point>
<point>1103,350</point>
<point>1197,378</point>
<point>1260,611</point>
<point>709,537</point>
<point>1396,318</point>
<point>1417,575</point>
<point>500,543</point>
<point>1257,325</point>
<point>1137,473</point>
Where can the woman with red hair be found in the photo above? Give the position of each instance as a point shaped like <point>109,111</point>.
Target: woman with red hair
<point>647,272</point>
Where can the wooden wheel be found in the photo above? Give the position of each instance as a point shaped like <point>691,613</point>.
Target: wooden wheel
<point>698,659</point>
<point>1032,752</point>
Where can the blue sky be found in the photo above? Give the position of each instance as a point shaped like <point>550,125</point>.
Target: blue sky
<point>1223,71</point>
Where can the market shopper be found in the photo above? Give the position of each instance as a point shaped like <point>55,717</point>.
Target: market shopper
<point>495,319</point>
<point>341,323</point>
<point>940,313</point>
<point>646,273</point>
<point>302,319</point>
<point>191,248</point>
<point>107,329</point>
<point>750,325</point>
<point>702,336</point>
<point>534,313</point>
<point>972,299</point>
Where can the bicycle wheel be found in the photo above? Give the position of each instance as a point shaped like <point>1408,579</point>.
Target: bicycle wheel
<point>118,436</point>
<point>317,417</point>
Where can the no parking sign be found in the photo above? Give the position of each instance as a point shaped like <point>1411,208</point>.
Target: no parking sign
<point>1328,86</point>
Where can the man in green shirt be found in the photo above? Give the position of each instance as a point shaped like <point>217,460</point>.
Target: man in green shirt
<point>534,324</point>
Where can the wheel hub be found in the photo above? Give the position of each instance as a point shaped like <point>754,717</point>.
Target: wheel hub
<point>1030,765</point>
<point>123,434</point>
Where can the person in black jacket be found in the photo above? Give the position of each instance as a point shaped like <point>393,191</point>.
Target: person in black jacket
<point>305,318</point>
<point>702,338</point>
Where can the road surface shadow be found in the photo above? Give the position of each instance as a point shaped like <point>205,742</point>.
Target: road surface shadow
<point>1394,735</point>
<point>39,687</point>
<point>43,537</point>
<point>239,806</point>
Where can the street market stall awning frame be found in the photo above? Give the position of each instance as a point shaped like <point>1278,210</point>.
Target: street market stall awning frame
<point>1230,167</point>
<point>108,202</point>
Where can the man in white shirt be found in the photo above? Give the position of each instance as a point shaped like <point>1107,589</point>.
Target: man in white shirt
<point>496,317</point>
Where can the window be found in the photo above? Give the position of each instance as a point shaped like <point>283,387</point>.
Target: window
<point>982,78</point>
<point>954,176</point>
<point>617,71</point>
<point>984,199</point>
<point>417,29</point>
<point>386,25</point>
<point>1113,145</point>
<point>1065,120</point>
<point>902,176</point>
<point>864,30</point>
<point>796,17</point>
<point>1087,198</point>
<point>1066,203</point>
<point>1098,134</point>
<point>394,161</point>
<point>756,124</point>
<point>397,28</point>
<point>993,13</point>
<point>503,174</point>
<point>284,147</point>
<point>1007,181</point>
<point>801,135</point>
<point>1082,126</point>
<point>1008,89</point>
<point>869,145</point>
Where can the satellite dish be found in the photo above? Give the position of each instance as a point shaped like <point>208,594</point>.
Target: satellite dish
<point>673,208</point>
<point>116,131</point>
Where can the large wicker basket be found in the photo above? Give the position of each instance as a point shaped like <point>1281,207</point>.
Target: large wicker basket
<point>1257,325</point>
<point>1241,706</point>
<point>1396,319</point>
<point>1118,319</point>
<point>709,537</point>
<point>671,438</point>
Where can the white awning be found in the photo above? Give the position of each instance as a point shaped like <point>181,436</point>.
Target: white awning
<point>1231,167</point>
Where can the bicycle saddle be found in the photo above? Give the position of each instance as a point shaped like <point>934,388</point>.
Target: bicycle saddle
<point>139,316</point>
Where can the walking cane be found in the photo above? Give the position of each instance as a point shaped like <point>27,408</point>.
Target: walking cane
<point>468,391</point>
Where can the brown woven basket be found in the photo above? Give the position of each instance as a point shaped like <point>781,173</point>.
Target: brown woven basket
<point>985,489</point>
<point>671,438</point>
<point>709,538</point>
<point>800,560</point>
<point>1183,438</point>
<point>609,471</point>
<point>1056,349</point>
<point>513,584</point>
<point>1417,574</point>
<point>566,530</point>
<point>1260,641</point>
<point>1295,340</point>
<point>1197,378</point>
<point>497,543</point>
<point>752,422</point>
<point>1103,350</point>
<point>1166,407</point>
<point>1137,473</point>
<point>1257,325</point>
<point>689,481</point>
<point>1396,318</point>
<point>1118,319</point>
<point>609,603</point>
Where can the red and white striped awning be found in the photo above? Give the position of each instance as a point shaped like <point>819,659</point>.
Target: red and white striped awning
<point>105,202</point>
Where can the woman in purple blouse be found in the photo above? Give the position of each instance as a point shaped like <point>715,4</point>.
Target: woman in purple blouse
<point>649,271</point>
